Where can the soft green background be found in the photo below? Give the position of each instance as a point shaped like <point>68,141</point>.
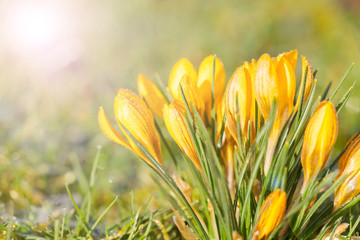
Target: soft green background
<point>48,116</point>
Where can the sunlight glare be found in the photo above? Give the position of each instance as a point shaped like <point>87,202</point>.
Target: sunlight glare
<point>35,26</point>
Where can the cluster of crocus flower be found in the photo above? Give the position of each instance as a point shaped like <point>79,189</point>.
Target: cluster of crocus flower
<point>236,111</point>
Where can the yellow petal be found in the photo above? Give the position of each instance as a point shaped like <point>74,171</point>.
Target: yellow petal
<point>349,166</point>
<point>348,189</point>
<point>292,57</point>
<point>191,93</point>
<point>319,138</point>
<point>239,94</point>
<point>350,159</point>
<point>265,84</point>
<point>286,84</point>
<point>181,68</point>
<point>132,113</point>
<point>309,80</point>
<point>309,76</point>
<point>271,213</point>
<point>176,125</point>
<point>204,82</point>
<point>275,80</point>
<point>152,95</point>
<point>109,131</point>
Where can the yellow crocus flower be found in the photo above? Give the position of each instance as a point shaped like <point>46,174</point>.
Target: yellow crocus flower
<point>239,94</point>
<point>275,80</point>
<point>204,82</point>
<point>181,68</point>
<point>152,95</point>
<point>270,215</point>
<point>174,117</point>
<point>183,75</point>
<point>191,93</point>
<point>319,138</point>
<point>349,166</point>
<point>309,80</point>
<point>132,113</point>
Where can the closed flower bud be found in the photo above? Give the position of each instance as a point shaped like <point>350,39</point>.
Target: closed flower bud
<point>309,80</point>
<point>270,215</point>
<point>239,101</point>
<point>204,82</point>
<point>181,68</point>
<point>319,138</point>
<point>349,166</point>
<point>174,117</point>
<point>152,95</point>
<point>275,80</point>
<point>191,93</point>
<point>132,113</point>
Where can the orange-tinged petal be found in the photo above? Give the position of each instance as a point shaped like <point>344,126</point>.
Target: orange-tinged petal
<point>309,80</point>
<point>319,138</point>
<point>152,95</point>
<point>109,131</point>
<point>181,68</point>
<point>286,84</point>
<point>292,57</point>
<point>132,113</point>
<point>191,93</point>
<point>349,166</point>
<point>271,213</point>
<point>176,125</point>
<point>275,80</point>
<point>309,76</point>
<point>265,84</point>
<point>204,82</point>
<point>239,94</point>
<point>350,159</point>
<point>348,189</point>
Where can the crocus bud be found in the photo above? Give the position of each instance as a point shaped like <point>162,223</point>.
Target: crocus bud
<point>270,215</point>
<point>309,80</point>
<point>132,113</point>
<point>181,68</point>
<point>191,93</point>
<point>239,101</point>
<point>349,166</point>
<point>176,125</point>
<point>319,138</point>
<point>204,82</point>
<point>152,95</point>
<point>275,80</point>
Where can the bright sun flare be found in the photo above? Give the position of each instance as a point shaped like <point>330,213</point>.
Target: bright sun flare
<point>34,26</point>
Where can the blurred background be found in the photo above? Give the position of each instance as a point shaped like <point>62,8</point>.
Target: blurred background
<point>61,60</point>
